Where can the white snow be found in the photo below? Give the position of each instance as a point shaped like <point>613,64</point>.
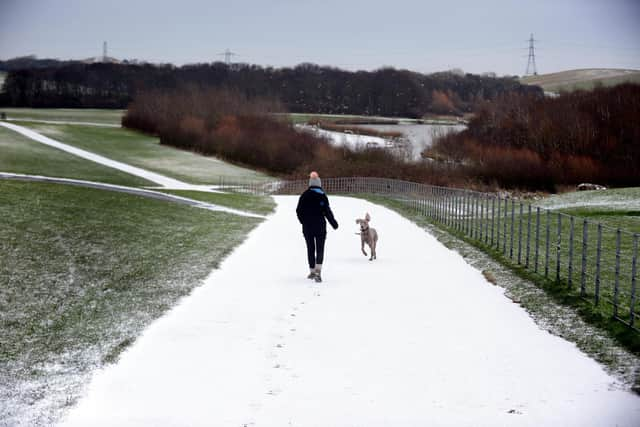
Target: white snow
<point>148,175</point>
<point>63,122</point>
<point>416,338</point>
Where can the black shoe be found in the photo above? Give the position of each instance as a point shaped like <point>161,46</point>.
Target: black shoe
<point>312,275</point>
<point>317,278</point>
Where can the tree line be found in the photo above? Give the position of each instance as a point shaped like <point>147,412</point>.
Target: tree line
<point>243,130</point>
<point>306,88</point>
<point>524,141</point>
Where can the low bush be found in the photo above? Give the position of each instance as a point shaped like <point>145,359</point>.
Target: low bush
<point>528,142</point>
<point>243,130</point>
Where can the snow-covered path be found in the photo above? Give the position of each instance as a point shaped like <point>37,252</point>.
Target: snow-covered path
<point>416,338</point>
<point>64,122</point>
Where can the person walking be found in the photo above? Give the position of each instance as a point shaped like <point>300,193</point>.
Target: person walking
<point>313,208</point>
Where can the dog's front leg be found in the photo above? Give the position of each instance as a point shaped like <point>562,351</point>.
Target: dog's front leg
<point>362,248</point>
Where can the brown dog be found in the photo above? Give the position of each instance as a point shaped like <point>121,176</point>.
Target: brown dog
<point>368,235</point>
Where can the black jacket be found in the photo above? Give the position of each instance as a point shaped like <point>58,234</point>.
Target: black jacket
<point>313,208</point>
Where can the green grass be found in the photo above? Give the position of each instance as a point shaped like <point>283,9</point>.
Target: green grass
<point>20,154</point>
<point>89,115</point>
<point>82,272</point>
<point>263,205</point>
<point>145,151</point>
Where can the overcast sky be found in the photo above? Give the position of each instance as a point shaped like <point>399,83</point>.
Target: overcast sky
<point>421,35</point>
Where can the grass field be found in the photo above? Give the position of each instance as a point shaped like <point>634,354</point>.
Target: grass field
<point>20,154</point>
<point>585,79</point>
<point>262,205</point>
<point>83,271</point>
<point>145,151</point>
<point>89,115</point>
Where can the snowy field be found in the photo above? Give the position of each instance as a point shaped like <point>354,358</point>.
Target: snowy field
<point>417,337</point>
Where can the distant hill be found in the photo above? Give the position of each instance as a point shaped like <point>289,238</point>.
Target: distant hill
<point>582,79</point>
<point>101,59</point>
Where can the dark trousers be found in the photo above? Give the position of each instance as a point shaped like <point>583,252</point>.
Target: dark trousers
<point>315,247</point>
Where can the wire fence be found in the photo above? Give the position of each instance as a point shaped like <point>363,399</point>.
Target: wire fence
<point>597,262</point>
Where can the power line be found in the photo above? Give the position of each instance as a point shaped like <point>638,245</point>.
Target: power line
<point>227,56</point>
<point>531,63</point>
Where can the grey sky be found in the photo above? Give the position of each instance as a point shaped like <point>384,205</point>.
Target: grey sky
<point>420,35</point>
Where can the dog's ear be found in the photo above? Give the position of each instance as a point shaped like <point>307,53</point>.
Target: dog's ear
<point>367,217</point>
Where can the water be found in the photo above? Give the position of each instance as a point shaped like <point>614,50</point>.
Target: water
<point>420,136</point>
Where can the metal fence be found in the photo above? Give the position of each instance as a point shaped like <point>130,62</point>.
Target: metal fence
<point>597,262</point>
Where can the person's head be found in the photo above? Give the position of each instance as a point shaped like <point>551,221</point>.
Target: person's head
<point>314,180</point>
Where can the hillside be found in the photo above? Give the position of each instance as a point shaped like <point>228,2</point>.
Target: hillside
<point>582,79</point>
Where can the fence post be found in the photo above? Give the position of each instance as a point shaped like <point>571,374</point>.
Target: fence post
<point>480,235</point>
<point>474,216</point>
<point>583,272</point>
<point>616,286</point>
<point>598,253</point>
<point>440,206</point>
<point>632,313</point>
<point>546,255</point>
<point>528,250</point>
<point>520,234</point>
<point>424,202</point>
<point>499,203</point>
<point>469,215</point>
<point>493,217</point>
<point>558,247</point>
<point>486,219</point>
<point>570,268</point>
<point>513,218</point>
<point>448,210</point>
<point>458,210</point>
<point>537,239</point>
<point>454,211</point>
<point>479,217</point>
<point>445,206</point>
<point>504,243</point>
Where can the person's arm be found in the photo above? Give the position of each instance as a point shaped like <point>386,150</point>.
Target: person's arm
<point>299,209</point>
<point>329,214</point>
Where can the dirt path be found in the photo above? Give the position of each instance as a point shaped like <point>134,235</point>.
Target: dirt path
<point>417,337</point>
